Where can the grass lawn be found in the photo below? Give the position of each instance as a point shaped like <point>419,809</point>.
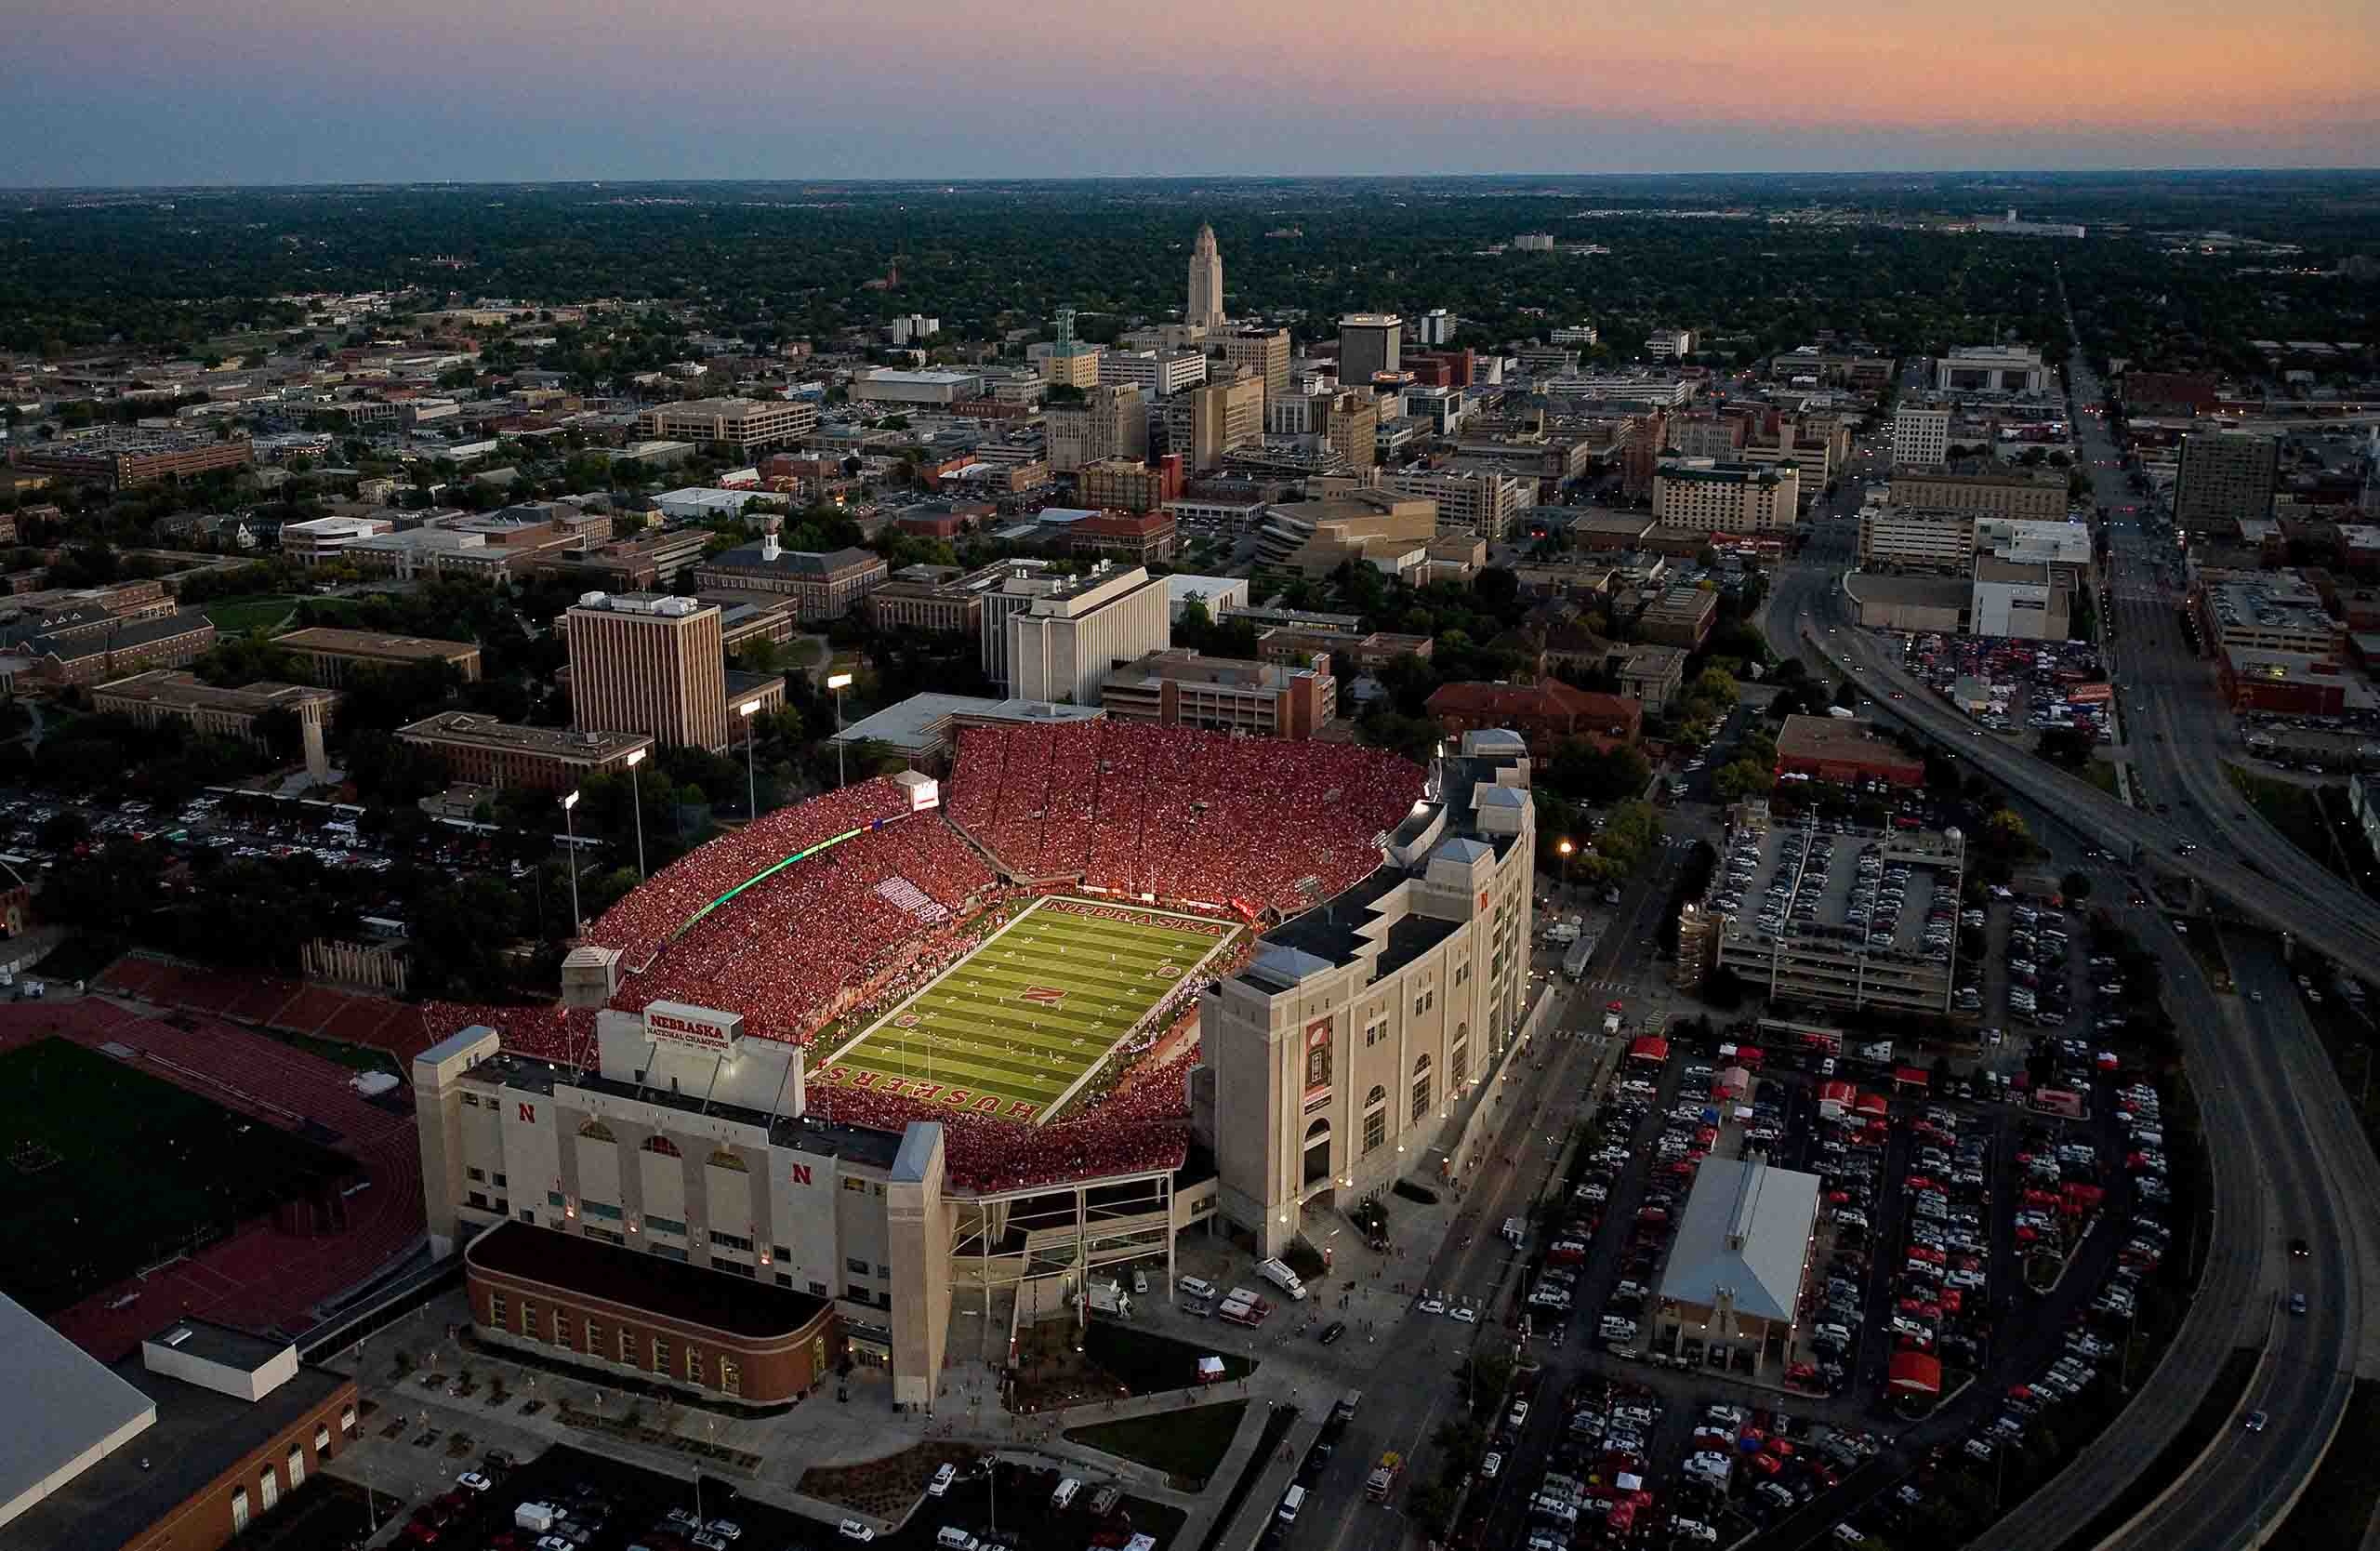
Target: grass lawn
<point>260,611</point>
<point>114,1169</point>
<point>1015,1025</point>
<point>2102,774</point>
<point>1144,1362</point>
<point>1184,1444</point>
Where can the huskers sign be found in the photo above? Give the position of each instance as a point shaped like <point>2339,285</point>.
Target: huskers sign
<point>702,1027</point>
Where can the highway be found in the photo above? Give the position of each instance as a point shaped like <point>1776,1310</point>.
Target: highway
<point>2288,1157</point>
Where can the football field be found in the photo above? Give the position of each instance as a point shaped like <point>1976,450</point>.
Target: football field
<point>1014,1029</point>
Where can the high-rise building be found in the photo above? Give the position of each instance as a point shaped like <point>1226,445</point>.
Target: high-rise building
<point>1368,343</point>
<point>1111,421</point>
<point>1921,434</point>
<point>1992,368</point>
<point>747,425</point>
<point>1264,352</point>
<point>1205,308</point>
<point>1726,497</point>
<point>1437,326</point>
<point>1154,372</point>
<point>1076,630</point>
<point>1353,428</point>
<point>2224,477</point>
<point>1069,361</point>
<point>643,663</point>
<point>1203,423</point>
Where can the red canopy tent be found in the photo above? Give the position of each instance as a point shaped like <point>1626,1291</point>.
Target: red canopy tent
<point>1649,1047</point>
<point>1916,1373</point>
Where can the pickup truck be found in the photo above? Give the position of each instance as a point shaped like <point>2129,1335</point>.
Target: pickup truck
<point>1382,1481</point>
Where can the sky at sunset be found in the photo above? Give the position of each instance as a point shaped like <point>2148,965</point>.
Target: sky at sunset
<point>139,91</point>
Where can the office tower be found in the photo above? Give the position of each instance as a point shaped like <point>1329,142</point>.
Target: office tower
<point>1264,352</point>
<point>1368,343</point>
<point>1437,326</point>
<point>1205,308</point>
<point>643,663</point>
<point>1203,423</point>
<point>1353,428</point>
<point>2226,478</point>
<point>1076,630</point>
<point>1921,434</point>
<point>1111,421</point>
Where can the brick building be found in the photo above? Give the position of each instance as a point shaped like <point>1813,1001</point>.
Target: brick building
<point>329,656</point>
<point>490,753</point>
<point>1544,713</point>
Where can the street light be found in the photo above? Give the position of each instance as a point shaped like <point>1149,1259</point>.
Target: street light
<point>751,782</point>
<point>570,845</point>
<point>1566,848</point>
<point>636,799</point>
<point>838,682</point>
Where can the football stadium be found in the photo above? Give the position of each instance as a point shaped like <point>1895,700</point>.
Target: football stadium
<point>1105,982</point>
<point>1017,1027</point>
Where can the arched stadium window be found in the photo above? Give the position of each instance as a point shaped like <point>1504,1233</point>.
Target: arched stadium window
<point>1459,1060</point>
<point>594,1130</point>
<point>663,1146</point>
<point>1421,1088</point>
<point>723,1158</point>
<point>1317,1152</point>
<point>1375,1117</point>
<point>1319,1128</point>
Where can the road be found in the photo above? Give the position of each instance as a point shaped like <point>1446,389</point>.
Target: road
<point>2288,1156</point>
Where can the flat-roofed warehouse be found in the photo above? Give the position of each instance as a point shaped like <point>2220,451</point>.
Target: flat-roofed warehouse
<point>1829,749</point>
<point>1734,1275</point>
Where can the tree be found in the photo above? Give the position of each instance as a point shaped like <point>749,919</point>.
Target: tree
<point>2075,885</point>
<point>1741,779</point>
<point>2071,746</point>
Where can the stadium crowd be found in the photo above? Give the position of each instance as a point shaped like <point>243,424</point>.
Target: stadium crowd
<point>1180,814</point>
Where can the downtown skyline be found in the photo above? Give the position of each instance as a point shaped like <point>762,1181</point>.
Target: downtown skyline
<point>288,91</point>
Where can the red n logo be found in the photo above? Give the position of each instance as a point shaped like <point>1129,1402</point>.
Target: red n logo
<point>801,1173</point>
<point>529,1113</point>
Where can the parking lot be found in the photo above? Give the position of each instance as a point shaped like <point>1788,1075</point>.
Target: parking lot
<point>2011,686</point>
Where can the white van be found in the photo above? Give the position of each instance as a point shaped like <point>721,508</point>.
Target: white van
<point>1292,1502</point>
<point>1277,1272</point>
<point>1194,1287</point>
<point>952,1538</point>
<point>1064,1496</point>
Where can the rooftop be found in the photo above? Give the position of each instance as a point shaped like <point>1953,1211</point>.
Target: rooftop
<point>63,1401</point>
<point>178,691</point>
<point>1832,737</point>
<point>672,1288</point>
<point>131,633</point>
<point>1744,1238</point>
<point>815,563</point>
<point>920,721</point>
<point>372,643</point>
<point>475,730</point>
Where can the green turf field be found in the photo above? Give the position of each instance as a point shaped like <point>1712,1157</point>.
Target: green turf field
<point>1012,1028</point>
<point>109,1169</point>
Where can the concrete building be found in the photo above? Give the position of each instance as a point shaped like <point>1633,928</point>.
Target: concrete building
<point>1203,423</point>
<point>1681,617</point>
<point>1072,632</point>
<point>1735,1271</point>
<point>483,751</point>
<point>643,663</point>
<point>922,390</point>
<point>1705,435</point>
<point>2024,601</point>
<point>1111,421</point>
<point>1369,343</point>
<point>2226,478</point>
<point>1669,344</point>
<point>1220,594</point>
<point>1204,308</point>
<point>1351,428</point>
<point>1154,372</point>
<point>826,585</point>
<point>329,656</point>
<point>1336,1054</point>
<point>1130,484</point>
<point>1992,368</point>
<point>167,694</point>
<point>1545,714</point>
<point>2037,494</point>
<point>1177,688</point>
<point>1480,502</point>
<point>1725,498</point>
<point>1922,434</point>
<point>1900,538</point>
<point>2264,610</point>
<point>124,457</point>
<point>1926,605</point>
<point>1377,528</point>
<point>320,540</point>
<point>1653,675</point>
<point>747,425</point>
<point>1068,362</point>
<point>1815,942</point>
<point>190,1443</point>
<point>1264,352</point>
<point>1437,326</point>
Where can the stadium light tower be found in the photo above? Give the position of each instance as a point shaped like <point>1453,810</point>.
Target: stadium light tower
<point>838,682</point>
<point>636,799</point>
<point>570,845</point>
<point>751,782</point>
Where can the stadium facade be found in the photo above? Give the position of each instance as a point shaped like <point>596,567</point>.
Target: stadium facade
<point>1330,1064</point>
